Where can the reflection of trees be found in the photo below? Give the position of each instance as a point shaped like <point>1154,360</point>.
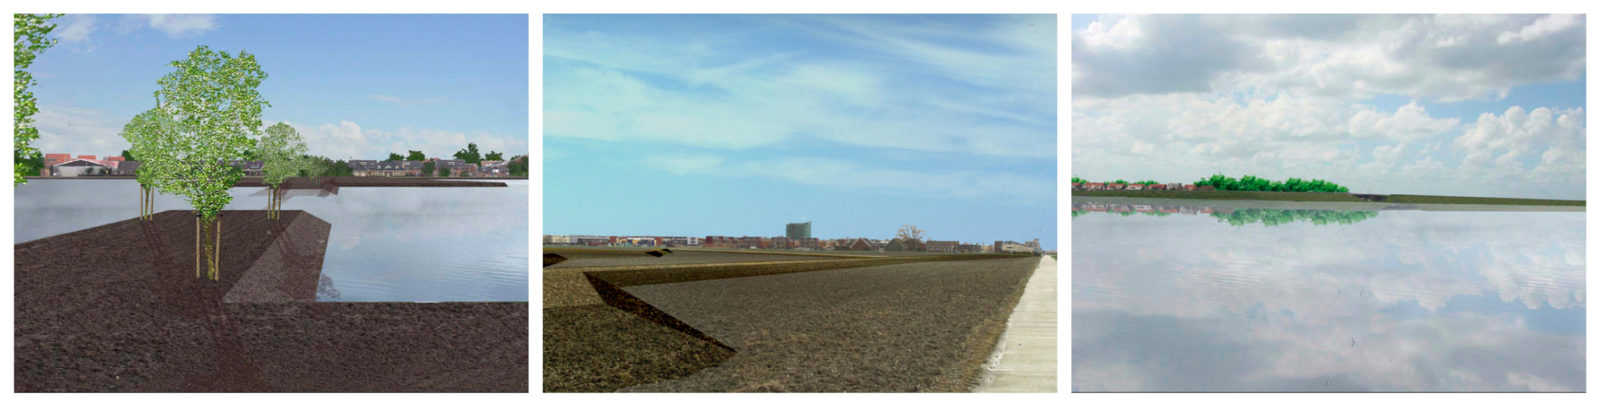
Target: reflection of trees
<point>325,290</point>
<point>1275,217</point>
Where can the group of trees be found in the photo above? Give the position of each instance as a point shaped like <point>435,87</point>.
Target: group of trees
<point>1252,183</point>
<point>207,115</point>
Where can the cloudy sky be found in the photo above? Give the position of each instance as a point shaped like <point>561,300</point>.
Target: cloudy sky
<point>736,125</point>
<point>1480,105</point>
<point>356,86</point>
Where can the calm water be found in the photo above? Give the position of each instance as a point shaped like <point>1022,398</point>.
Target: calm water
<point>1307,300</point>
<point>386,244</point>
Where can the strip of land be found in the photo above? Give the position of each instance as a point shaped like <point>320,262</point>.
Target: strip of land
<point>1328,197</point>
<point>118,308</point>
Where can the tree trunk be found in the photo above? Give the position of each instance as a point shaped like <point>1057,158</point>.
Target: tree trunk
<point>197,246</point>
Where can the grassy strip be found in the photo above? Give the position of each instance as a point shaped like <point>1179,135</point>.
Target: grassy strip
<point>1468,200</point>
<point>1229,195</point>
<point>632,276</point>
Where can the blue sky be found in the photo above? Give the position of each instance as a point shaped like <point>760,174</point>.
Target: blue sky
<point>354,85</point>
<point>1480,105</point>
<point>738,124</point>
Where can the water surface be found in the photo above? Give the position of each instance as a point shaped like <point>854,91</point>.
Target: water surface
<point>385,244</point>
<point>1169,298</point>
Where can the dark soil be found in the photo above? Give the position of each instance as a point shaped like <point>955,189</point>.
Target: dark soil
<point>118,308</point>
<point>595,348</point>
<point>896,328</point>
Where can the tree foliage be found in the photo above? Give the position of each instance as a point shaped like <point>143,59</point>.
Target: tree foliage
<point>396,157</point>
<point>493,156</point>
<point>212,98</point>
<point>427,169</point>
<point>281,149</point>
<point>469,154</point>
<point>415,155</point>
<point>208,114</point>
<point>518,166</point>
<point>1253,183</point>
<point>30,38</point>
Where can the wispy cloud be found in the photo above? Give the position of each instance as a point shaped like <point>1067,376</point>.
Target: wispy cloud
<point>624,87</point>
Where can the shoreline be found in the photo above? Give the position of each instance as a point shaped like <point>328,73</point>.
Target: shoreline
<point>1328,197</point>
<point>1330,206</point>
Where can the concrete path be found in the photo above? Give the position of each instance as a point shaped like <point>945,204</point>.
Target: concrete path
<point>1025,360</point>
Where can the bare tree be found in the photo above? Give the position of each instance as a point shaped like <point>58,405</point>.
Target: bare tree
<point>909,233</point>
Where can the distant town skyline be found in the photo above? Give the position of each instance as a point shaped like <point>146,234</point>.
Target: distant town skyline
<point>1473,105</point>
<point>739,124</point>
<point>354,86</point>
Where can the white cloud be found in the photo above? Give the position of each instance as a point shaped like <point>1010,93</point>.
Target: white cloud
<point>1443,57</point>
<point>75,28</point>
<point>1497,145</point>
<point>67,129</point>
<point>828,172</point>
<point>178,25</point>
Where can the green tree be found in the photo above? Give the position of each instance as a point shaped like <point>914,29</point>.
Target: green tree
<point>427,169</point>
<point>444,172</point>
<point>148,134</point>
<point>212,97</point>
<point>518,166</point>
<point>280,150</point>
<point>492,156</point>
<point>30,38</point>
<point>396,157</point>
<point>128,156</point>
<point>469,154</point>
<point>415,155</point>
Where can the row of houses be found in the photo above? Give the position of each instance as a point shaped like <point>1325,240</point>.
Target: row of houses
<point>1115,186</point>
<point>65,165</point>
<point>859,244</point>
<point>412,168</point>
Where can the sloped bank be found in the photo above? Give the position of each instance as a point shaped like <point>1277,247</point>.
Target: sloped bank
<point>117,308</point>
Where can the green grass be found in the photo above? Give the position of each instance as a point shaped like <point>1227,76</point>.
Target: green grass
<point>1229,195</point>
<point>1468,200</point>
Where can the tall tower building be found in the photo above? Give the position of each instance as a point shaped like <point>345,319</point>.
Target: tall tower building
<point>800,230</point>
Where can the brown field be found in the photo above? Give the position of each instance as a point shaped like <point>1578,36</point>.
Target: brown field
<point>912,323</point>
<point>898,328</point>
